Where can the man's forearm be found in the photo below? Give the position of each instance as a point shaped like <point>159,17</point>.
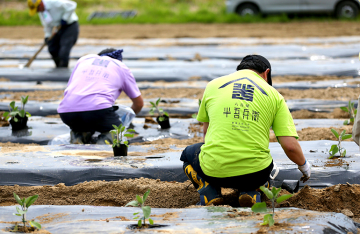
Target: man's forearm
<point>136,108</point>
<point>138,104</point>
<point>292,149</point>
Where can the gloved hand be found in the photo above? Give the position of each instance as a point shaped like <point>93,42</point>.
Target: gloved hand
<point>63,22</point>
<point>46,40</point>
<point>306,170</point>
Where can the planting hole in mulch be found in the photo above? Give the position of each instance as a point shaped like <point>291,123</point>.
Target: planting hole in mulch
<point>93,160</point>
<point>12,162</point>
<point>146,226</point>
<point>336,162</point>
<point>21,229</point>
<point>155,157</point>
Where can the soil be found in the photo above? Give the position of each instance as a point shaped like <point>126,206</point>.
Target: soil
<point>197,30</point>
<point>338,198</point>
<point>21,229</point>
<point>101,193</point>
<point>163,194</point>
<point>11,147</point>
<point>171,141</point>
<point>336,162</point>
<point>283,79</point>
<point>343,94</point>
<point>306,114</point>
<point>3,121</point>
<point>46,95</point>
<point>312,134</point>
<point>306,134</point>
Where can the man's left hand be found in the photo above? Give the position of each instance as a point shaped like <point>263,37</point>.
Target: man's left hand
<point>306,170</point>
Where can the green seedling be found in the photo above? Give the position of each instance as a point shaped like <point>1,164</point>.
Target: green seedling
<point>273,196</point>
<point>118,134</point>
<point>195,115</point>
<point>25,203</point>
<point>160,111</point>
<point>146,210</point>
<point>337,148</point>
<point>14,110</point>
<point>352,113</point>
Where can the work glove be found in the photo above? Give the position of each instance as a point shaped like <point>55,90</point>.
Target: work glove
<point>306,170</point>
<point>63,23</point>
<point>46,40</point>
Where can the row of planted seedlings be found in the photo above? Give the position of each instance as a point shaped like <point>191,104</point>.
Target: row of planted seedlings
<point>144,213</point>
<point>120,146</point>
<point>120,149</point>
<point>18,117</point>
<point>18,120</point>
<point>25,203</point>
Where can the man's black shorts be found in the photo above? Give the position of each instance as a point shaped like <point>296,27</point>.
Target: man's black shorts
<point>243,183</point>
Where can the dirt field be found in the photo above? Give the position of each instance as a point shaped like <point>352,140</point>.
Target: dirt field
<point>140,31</point>
<point>339,198</point>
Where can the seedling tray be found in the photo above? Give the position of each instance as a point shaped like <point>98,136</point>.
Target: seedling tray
<point>91,219</point>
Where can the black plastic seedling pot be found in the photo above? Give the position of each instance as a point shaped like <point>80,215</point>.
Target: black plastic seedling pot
<point>292,186</point>
<point>20,124</point>
<point>120,150</point>
<point>165,124</point>
<point>146,226</point>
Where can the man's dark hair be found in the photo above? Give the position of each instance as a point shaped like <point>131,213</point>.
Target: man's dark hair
<point>108,50</point>
<point>257,63</point>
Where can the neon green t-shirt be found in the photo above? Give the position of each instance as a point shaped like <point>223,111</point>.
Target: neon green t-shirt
<point>241,108</point>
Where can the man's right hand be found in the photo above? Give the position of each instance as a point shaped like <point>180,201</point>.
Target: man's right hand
<point>46,40</point>
<point>306,170</point>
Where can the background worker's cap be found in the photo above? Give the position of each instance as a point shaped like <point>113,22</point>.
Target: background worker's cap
<point>33,5</point>
<point>264,60</point>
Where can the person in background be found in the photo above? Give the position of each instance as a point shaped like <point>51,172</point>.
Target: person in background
<point>237,111</point>
<point>60,16</point>
<point>94,85</point>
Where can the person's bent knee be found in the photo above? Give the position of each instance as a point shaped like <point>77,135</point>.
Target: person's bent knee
<point>190,152</point>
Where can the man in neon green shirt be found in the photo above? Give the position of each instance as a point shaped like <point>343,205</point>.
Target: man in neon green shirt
<point>238,111</point>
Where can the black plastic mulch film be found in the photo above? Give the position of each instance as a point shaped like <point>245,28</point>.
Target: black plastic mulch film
<point>90,219</point>
<point>69,164</point>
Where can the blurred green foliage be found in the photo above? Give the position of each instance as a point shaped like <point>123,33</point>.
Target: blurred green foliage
<point>148,11</point>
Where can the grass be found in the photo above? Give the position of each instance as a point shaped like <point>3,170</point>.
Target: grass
<point>148,11</point>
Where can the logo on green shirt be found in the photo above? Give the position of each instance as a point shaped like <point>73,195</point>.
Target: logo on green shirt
<point>243,92</point>
<point>245,78</point>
